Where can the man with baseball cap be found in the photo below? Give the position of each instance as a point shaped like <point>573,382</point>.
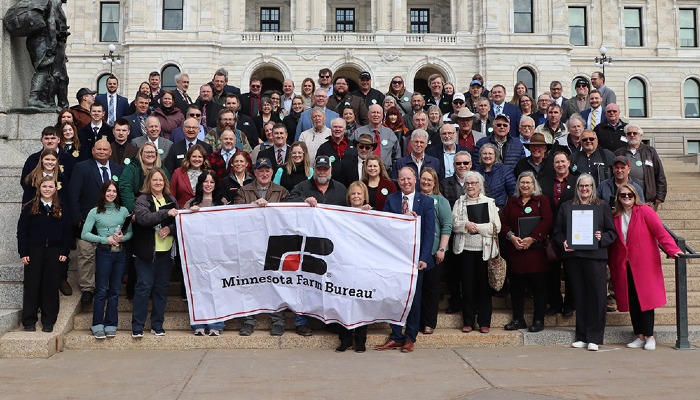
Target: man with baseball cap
<point>261,192</point>
<point>81,111</point>
<point>511,150</point>
<point>319,190</point>
<point>621,174</point>
<point>366,92</point>
<point>577,103</point>
<point>475,93</point>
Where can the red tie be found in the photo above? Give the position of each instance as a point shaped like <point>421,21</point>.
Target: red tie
<point>404,205</point>
<point>378,149</point>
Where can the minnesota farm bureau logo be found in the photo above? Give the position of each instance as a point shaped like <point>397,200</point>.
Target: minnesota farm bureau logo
<point>290,252</point>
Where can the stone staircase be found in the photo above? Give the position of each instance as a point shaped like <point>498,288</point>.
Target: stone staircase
<point>681,213</point>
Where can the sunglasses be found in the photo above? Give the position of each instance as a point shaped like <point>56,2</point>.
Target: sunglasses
<point>458,102</point>
<point>324,76</point>
<point>632,133</point>
<point>194,115</point>
<point>364,146</point>
<point>396,82</point>
<point>462,162</point>
<point>628,195</point>
<point>502,125</point>
<point>588,139</point>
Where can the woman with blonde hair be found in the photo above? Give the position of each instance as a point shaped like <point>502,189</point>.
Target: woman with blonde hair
<point>297,168</point>
<point>308,87</point>
<point>135,170</point>
<point>48,166</point>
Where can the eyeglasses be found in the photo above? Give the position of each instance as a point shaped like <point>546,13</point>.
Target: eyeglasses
<point>628,195</point>
<point>396,82</point>
<point>585,185</point>
<point>462,162</point>
<point>632,133</point>
<point>502,125</point>
<point>526,127</point>
<point>588,139</point>
<point>194,115</point>
<point>149,153</point>
<point>471,183</point>
<point>192,127</point>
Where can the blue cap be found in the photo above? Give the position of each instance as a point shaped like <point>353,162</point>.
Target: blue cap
<point>263,162</point>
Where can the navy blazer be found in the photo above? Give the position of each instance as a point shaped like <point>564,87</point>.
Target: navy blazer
<point>585,113</point>
<point>423,206</point>
<point>178,151</point>
<point>428,161</point>
<point>85,187</point>
<point>306,123</point>
<point>134,126</point>
<point>513,112</point>
<point>122,105</point>
<point>439,153</point>
<point>87,139</point>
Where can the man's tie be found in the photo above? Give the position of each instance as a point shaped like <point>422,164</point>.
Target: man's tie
<point>187,97</point>
<point>48,208</point>
<point>404,205</point>
<point>499,110</point>
<point>142,121</point>
<point>112,111</point>
<point>227,156</point>
<point>594,119</point>
<point>95,130</point>
<point>105,175</point>
<point>189,145</point>
<point>280,160</point>
<point>377,140</point>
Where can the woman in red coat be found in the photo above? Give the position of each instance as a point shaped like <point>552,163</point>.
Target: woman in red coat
<point>635,263</point>
<point>184,179</point>
<point>376,178</point>
<point>526,256</point>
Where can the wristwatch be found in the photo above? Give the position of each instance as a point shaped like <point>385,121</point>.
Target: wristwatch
<point>441,249</point>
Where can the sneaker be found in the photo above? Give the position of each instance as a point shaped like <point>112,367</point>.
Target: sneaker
<point>650,344</point>
<point>137,334</point>
<point>304,330</point>
<point>65,288</point>
<point>111,334</point>
<point>592,347</point>
<point>100,334</point>
<point>199,332</point>
<point>637,344</point>
<point>277,330</point>
<point>158,332</point>
<point>212,332</point>
<point>579,344</point>
<point>246,330</point>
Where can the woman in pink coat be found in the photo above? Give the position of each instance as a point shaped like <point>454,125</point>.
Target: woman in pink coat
<point>635,263</point>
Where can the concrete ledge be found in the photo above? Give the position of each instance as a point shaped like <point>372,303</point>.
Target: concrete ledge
<point>9,319</point>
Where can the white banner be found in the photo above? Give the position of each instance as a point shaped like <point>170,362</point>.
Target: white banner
<point>336,264</point>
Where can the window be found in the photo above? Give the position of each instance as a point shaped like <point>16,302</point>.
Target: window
<point>526,76</point>
<point>109,22</point>
<point>523,16</point>
<point>633,27</point>
<point>688,28</point>
<point>637,98</point>
<point>102,83</point>
<point>577,26</point>
<point>172,15</point>
<point>693,147</point>
<point>269,19</point>
<point>167,77</point>
<point>691,98</point>
<point>345,20</point>
<point>420,20</point>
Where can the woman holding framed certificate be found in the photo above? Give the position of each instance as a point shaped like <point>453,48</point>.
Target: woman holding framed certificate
<point>635,263</point>
<point>584,228</point>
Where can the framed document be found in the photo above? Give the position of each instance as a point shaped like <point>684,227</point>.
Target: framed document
<point>581,224</point>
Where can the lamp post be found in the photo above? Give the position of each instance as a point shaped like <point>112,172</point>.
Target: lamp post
<point>603,60</point>
<point>111,58</point>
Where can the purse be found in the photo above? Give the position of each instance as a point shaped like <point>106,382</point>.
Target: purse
<point>553,253</point>
<point>496,265</point>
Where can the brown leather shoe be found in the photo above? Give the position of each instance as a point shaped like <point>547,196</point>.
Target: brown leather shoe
<point>427,330</point>
<point>484,329</point>
<point>65,288</point>
<point>407,346</point>
<point>389,345</point>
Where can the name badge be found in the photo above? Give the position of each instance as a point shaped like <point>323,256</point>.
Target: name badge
<point>623,138</point>
<point>180,156</point>
<point>649,163</point>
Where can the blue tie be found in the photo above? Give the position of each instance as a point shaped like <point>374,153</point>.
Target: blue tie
<point>105,175</point>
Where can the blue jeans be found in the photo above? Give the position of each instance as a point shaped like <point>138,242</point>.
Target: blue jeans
<point>153,279</point>
<point>219,326</point>
<point>109,268</point>
<point>300,320</point>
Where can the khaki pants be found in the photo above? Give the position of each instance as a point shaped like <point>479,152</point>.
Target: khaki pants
<point>86,265</point>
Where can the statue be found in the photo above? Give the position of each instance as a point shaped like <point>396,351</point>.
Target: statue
<point>45,26</point>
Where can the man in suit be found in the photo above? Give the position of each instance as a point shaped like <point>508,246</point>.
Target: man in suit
<point>320,100</point>
<point>555,89</point>
<point>153,135</point>
<point>122,147</point>
<point>278,153</point>
<point>243,122</point>
<point>607,95</point>
<point>178,150</point>
<point>85,187</point>
<point>137,120</point>
<point>221,160</point>
<point>445,153</point>
<point>388,148</point>
<point>418,160</point>
<point>578,103</point>
<point>250,102</point>
<point>412,202</point>
<point>595,114</point>
<point>501,106</point>
<point>178,133</point>
<point>115,106</point>
<point>96,129</point>
<point>354,159</point>
<point>210,110</point>
<point>182,99</point>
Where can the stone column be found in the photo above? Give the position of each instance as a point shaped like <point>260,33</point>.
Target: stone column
<point>299,22</point>
<point>381,13</point>
<point>398,16</point>
<point>318,16</point>
<point>460,16</point>
<point>236,15</point>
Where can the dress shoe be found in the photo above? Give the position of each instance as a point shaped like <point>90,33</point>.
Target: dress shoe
<point>304,330</point>
<point>30,328</point>
<point>537,326</point>
<point>343,346</point>
<point>427,330</point>
<point>637,344</point>
<point>360,347</point>
<point>568,312</point>
<point>389,345</point>
<point>484,329</point>
<point>579,344</point>
<point>86,298</point>
<point>553,310</point>
<point>467,329</point>
<point>407,346</point>
<point>650,344</point>
<point>592,347</point>
<point>65,288</point>
<point>47,328</point>
<point>246,330</point>
<point>515,325</point>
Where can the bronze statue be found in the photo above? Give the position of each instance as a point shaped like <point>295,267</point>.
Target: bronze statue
<point>45,26</point>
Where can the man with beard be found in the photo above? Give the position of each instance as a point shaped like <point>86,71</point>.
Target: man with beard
<point>646,168</point>
<point>368,94</point>
<point>227,121</point>
<point>594,115</point>
<point>446,152</point>
<point>578,103</point>
<point>243,122</point>
<point>552,128</point>
<point>417,104</point>
<point>341,99</point>
<point>611,133</point>
<point>592,159</point>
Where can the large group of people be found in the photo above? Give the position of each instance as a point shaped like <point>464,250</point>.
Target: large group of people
<point>486,176</point>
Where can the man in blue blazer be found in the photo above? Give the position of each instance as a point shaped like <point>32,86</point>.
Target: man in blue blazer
<point>499,105</point>
<point>119,104</point>
<point>84,188</point>
<point>595,101</point>
<point>417,204</point>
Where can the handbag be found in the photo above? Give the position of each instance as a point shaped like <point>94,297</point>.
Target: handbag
<point>496,265</point>
<point>553,253</point>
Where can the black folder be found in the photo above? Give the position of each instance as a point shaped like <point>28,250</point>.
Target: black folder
<point>478,213</point>
<point>526,225</point>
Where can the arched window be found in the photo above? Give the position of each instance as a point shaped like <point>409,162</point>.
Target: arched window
<point>102,83</point>
<point>526,76</point>
<point>637,98</point>
<point>167,77</point>
<point>691,98</point>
